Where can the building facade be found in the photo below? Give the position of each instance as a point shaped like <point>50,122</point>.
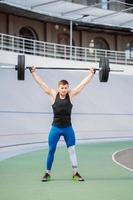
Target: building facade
<point>54,32</point>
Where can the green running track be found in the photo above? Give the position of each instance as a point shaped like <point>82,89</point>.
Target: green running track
<point>104,180</point>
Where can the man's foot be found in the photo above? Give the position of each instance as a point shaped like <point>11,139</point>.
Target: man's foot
<point>46,177</point>
<point>77,177</point>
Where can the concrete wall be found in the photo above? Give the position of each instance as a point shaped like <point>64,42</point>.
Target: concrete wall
<point>102,110</point>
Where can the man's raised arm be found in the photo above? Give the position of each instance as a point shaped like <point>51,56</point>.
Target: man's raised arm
<point>82,84</point>
<point>39,80</point>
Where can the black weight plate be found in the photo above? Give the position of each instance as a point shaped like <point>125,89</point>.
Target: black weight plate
<point>104,69</point>
<point>21,67</point>
<point>107,69</point>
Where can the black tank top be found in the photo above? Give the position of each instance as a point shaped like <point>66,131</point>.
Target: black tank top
<point>62,111</point>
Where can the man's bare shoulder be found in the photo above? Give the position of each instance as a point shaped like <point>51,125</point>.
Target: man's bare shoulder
<point>54,92</point>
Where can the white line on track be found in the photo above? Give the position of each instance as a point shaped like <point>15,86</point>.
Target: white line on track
<point>118,163</point>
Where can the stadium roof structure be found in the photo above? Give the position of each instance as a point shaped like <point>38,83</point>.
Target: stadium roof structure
<point>66,11</point>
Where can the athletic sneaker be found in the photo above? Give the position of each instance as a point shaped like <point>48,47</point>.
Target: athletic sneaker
<point>77,177</point>
<point>46,177</point>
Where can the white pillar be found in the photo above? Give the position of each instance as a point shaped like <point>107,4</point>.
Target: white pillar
<point>71,37</point>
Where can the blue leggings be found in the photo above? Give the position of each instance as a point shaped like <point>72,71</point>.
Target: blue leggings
<point>54,136</point>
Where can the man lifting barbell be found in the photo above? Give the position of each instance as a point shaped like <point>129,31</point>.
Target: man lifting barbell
<point>62,106</point>
<point>61,100</point>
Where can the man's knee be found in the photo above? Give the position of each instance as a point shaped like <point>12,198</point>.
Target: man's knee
<point>71,149</point>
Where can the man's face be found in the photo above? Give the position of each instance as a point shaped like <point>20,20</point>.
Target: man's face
<point>63,89</point>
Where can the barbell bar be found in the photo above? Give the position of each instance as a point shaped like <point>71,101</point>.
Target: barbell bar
<point>103,69</point>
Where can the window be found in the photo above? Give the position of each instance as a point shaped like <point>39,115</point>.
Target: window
<point>86,2</point>
<point>129,50</point>
<point>129,1</point>
<point>28,33</point>
<point>64,38</point>
<point>101,43</point>
<point>104,4</point>
<point>92,2</point>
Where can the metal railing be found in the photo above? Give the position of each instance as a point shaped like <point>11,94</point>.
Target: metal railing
<point>47,49</point>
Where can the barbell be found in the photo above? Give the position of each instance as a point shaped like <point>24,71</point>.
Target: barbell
<point>103,69</point>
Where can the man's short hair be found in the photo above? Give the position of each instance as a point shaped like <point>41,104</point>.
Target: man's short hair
<point>63,82</point>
